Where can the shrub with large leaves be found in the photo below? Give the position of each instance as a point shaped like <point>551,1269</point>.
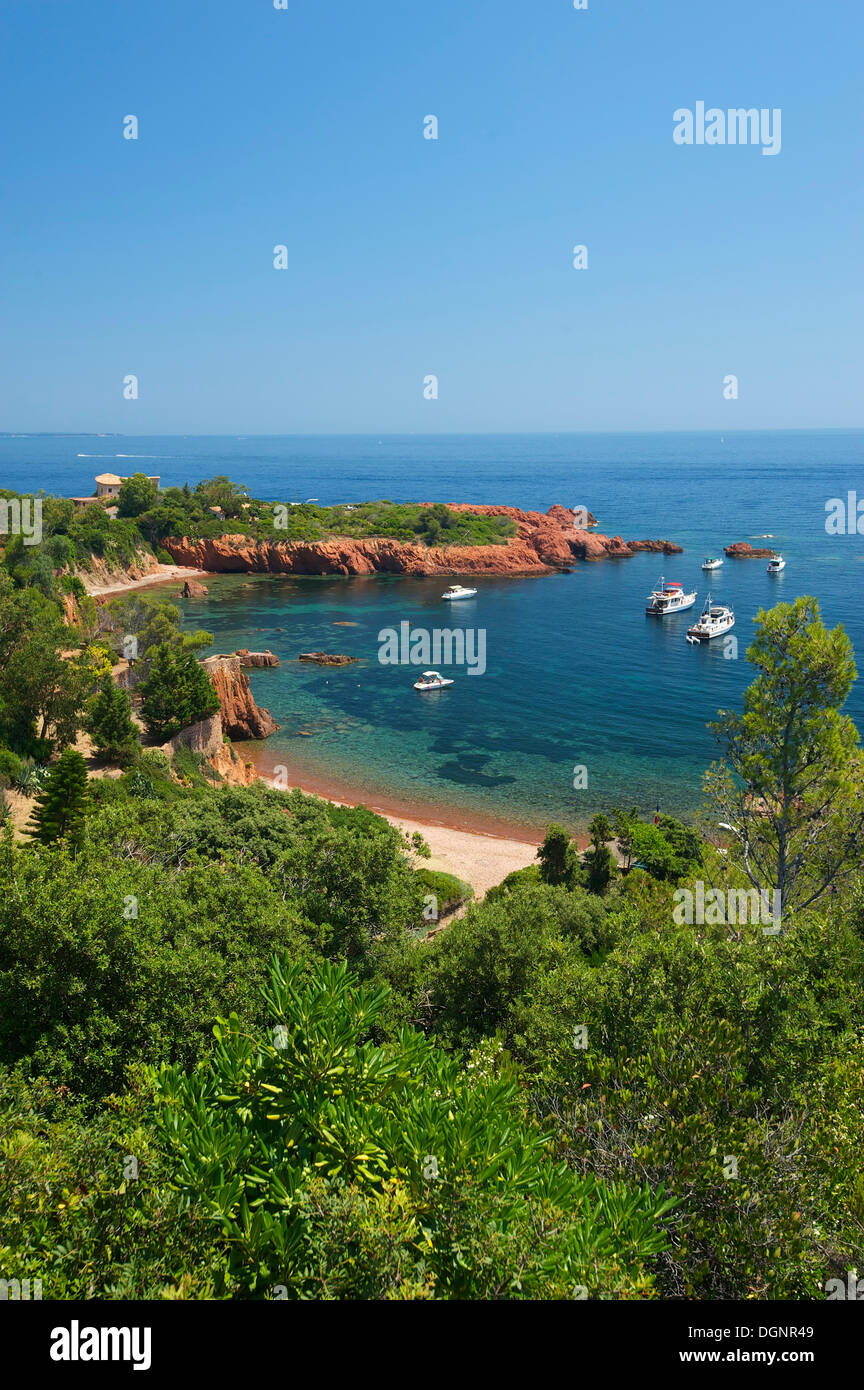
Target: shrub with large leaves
<point>277,1132</point>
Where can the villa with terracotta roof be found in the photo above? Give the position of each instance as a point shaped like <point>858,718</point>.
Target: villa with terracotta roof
<point>107,487</point>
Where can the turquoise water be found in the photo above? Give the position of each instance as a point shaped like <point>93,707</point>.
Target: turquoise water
<point>576,674</point>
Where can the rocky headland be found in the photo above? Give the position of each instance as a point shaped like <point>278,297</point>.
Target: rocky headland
<point>544,541</point>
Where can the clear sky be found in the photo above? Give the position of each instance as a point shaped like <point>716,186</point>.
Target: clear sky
<point>409,257</point>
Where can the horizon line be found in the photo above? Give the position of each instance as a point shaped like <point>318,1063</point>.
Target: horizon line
<point>422,434</point>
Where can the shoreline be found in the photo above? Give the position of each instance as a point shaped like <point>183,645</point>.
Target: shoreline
<point>482,850</point>
<point>167,574</point>
<point>316,783</point>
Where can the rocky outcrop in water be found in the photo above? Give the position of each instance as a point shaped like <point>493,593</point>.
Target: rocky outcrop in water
<point>241,717</point>
<point>743,550</point>
<point>544,541</point>
<point>253,660</point>
<point>193,589</point>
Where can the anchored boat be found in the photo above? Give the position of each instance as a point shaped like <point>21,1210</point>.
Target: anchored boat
<point>711,562</point>
<point>776,564</point>
<point>432,680</point>
<point>669,597</point>
<point>716,619</point>
<point>457,591</point>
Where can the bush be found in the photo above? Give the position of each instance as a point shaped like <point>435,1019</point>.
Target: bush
<point>177,693</point>
<point>449,891</point>
<point>10,768</point>
<point>334,1151</point>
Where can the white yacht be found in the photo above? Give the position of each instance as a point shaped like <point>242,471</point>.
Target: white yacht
<point>776,564</point>
<point>669,597</point>
<point>457,591</point>
<point>711,562</point>
<point>432,680</point>
<point>715,620</point>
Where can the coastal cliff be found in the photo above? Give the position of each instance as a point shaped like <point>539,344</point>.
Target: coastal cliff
<point>241,717</point>
<point>544,541</point>
<point>206,739</point>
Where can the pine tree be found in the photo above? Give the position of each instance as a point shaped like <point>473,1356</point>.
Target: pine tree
<point>558,861</point>
<point>110,725</point>
<point>599,859</point>
<point>177,693</point>
<point>62,804</point>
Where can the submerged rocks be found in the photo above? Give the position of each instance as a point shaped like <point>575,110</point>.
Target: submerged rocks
<point>327,658</point>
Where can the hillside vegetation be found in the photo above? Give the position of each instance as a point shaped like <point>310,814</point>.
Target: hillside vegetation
<point>236,1063</point>
<point>74,537</point>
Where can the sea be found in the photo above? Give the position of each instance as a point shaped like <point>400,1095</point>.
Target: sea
<point>585,703</point>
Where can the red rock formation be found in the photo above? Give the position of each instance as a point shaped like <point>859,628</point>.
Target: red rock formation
<point>241,717</point>
<point>71,611</point>
<point>192,589</point>
<point>544,541</point>
<point>206,738</point>
<point>743,550</point>
<point>255,659</point>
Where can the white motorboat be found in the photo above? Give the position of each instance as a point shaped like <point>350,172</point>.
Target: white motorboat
<point>776,564</point>
<point>432,680</point>
<point>457,591</point>
<point>669,597</point>
<point>715,620</point>
<point>711,562</point>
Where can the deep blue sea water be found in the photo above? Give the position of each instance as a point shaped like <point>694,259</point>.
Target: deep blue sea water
<point>576,674</point>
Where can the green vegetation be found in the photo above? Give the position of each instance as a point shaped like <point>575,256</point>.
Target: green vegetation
<point>184,512</point>
<point>77,538</point>
<point>110,724</point>
<point>62,803</point>
<point>177,692</point>
<point>792,789</point>
<point>562,1090</point>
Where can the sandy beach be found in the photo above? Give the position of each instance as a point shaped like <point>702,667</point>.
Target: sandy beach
<point>481,851</point>
<point>165,574</point>
<point>479,859</point>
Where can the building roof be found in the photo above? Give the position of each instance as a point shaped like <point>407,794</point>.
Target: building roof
<point>108,478</point>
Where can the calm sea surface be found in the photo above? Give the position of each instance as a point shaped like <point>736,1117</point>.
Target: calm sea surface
<point>576,674</point>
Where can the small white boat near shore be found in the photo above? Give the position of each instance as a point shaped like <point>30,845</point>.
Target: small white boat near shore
<point>716,619</point>
<point>432,680</point>
<point>711,562</point>
<point>669,597</point>
<point>458,591</point>
<point>776,565</point>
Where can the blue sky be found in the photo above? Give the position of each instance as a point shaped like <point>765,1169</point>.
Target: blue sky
<point>407,256</point>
